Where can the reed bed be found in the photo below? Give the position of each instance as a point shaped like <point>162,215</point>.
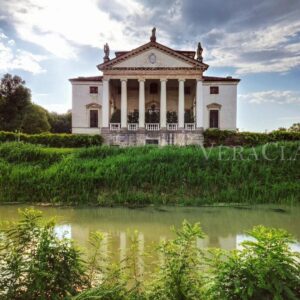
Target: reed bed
<point>138,176</point>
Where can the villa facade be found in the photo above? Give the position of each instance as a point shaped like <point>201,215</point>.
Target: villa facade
<point>153,95</point>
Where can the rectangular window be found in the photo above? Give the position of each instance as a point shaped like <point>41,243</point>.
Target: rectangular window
<point>214,119</point>
<point>187,90</point>
<point>93,90</point>
<point>214,90</point>
<point>93,118</point>
<point>151,142</point>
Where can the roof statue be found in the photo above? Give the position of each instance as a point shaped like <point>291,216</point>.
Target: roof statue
<point>199,52</point>
<point>153,36</point>
<point>106,53</point>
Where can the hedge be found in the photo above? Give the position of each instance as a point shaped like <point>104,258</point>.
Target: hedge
<point>53,140</point>
<point>234,138</point>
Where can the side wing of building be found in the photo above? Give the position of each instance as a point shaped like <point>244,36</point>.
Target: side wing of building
<point>220,102</point>
<point>86,105</point>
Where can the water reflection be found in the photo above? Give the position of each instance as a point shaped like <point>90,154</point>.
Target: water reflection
<point>223,226</point>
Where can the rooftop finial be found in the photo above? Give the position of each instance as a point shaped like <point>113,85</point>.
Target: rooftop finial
<point>153,36</point>
<point>199,52</point>
<point>106,53</point>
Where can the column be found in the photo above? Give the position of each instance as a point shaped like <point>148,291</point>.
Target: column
<point>181,103</point>
<point>163,103</point>
<point>141,103</point>
<point>123,103</point>
<point>105,103</point>
<point>199,105</point>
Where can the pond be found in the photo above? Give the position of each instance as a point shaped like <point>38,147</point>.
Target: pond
<point>224,226</point>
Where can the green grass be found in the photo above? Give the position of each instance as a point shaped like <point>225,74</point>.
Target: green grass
<point>148,175</point>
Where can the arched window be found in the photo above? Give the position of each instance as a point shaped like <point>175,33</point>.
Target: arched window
<point>153,88</point>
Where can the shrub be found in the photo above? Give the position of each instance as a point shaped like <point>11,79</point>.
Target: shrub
<point>233,138</point>
<point>266,268</point>
<point>53,140</point>
<point>26,153</point>
<point>35,264</point>
<point>179,275</point>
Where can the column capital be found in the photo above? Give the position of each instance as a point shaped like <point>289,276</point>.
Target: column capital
<point>181,79</point>
<point>163,79</point>
<point>141,79</point>
<point>123,79</point>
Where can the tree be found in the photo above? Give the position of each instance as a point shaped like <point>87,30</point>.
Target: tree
<point>35,120</point>
<point>295,127</point>
<point>60,123</point>
<point>14,100</point>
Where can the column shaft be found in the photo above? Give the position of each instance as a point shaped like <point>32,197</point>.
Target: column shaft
<point>105,103</point>
<point>141,103</point>
<point>163,103</point>
<point>199,105</point>
<point>181,104</point>
<point>123,103</point>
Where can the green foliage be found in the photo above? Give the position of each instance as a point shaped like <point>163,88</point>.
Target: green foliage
<point>179,274</point>
<point>189,116</point>
<point>143,175</point>
<point>233,138</point>
<point>60,123</point>
<point>14,101</point>
<point>172,117</point>
<point>35,120</point>
<point>53,140</point>
<point>133,117</point>
<point>295,127</point>
<point>116,116</point>
<point>34,263</point>
<point>266,268</point>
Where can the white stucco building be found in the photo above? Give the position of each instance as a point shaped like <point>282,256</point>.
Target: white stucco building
<point>153,95</point>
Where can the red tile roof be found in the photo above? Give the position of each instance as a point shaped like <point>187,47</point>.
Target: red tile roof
<point>82,79</point>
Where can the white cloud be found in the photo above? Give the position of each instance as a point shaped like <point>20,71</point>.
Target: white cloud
<point>11,59</point>
<point>263,50</point>
<point>60,26</point>
<point>272,96</point>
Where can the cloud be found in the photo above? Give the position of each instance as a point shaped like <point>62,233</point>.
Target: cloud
<point>252,37</point>
<point>11,59</point>
<point>61,26</point>
<point>272,96</point>
<point>268,49</point>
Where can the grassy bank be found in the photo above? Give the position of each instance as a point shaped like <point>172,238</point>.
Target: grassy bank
<point>147,175</point>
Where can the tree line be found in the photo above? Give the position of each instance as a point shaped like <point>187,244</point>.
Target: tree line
<point>19,114</point>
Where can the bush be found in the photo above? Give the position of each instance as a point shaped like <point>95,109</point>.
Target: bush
<point>35,264</point>
<point>233,138</point>
<point>53,140</point>
<point>16,153</point>
<point>266,268</point>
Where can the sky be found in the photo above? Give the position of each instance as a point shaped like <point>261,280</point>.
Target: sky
<point>47,42</point>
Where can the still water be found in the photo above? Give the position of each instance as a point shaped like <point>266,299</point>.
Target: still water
<point>224,226</point>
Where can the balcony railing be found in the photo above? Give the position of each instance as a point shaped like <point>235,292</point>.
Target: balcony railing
<point>115,126</point>
<point>152,126</point>
<point>189,126</point>
<point>133,126</point>
<point>172,126</point>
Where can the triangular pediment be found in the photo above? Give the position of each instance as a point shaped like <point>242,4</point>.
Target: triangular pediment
<point>152,55</point>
